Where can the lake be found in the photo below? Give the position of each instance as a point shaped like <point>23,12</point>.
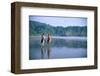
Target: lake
<point>60,47</point>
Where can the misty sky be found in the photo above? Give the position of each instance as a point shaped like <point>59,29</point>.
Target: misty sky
<point>60,21</point>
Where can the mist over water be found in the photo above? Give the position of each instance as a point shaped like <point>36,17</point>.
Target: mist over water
<point>60,47</point>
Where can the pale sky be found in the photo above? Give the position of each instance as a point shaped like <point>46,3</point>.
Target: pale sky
<point>60,21</point>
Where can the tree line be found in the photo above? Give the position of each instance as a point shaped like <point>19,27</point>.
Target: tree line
<point>37,28</point>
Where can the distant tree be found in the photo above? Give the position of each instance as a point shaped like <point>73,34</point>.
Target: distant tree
<point>36,28</point>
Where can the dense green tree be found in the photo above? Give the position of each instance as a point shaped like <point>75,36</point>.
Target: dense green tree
<point>37,28</point>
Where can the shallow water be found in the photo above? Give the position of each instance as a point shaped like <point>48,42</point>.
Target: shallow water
<point>60,47</point>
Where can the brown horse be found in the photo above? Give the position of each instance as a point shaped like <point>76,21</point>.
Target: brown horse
<point>49,39</point>
<point>42,39</point>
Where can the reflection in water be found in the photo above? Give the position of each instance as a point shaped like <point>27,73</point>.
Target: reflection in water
<point>59,48</point>
<point>45,51</point>
<point>48,50</point>
<point>42,52</point>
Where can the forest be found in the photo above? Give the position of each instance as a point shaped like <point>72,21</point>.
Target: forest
<point>37,28</point>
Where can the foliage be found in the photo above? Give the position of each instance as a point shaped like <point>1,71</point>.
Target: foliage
<point>37,28</point>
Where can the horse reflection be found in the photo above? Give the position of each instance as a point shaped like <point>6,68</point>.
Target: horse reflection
<point>48,51</point>
<point>42,52</point>
<point>45,52</point>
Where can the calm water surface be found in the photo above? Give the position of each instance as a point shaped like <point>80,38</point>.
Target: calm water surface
<point>60,47</point>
